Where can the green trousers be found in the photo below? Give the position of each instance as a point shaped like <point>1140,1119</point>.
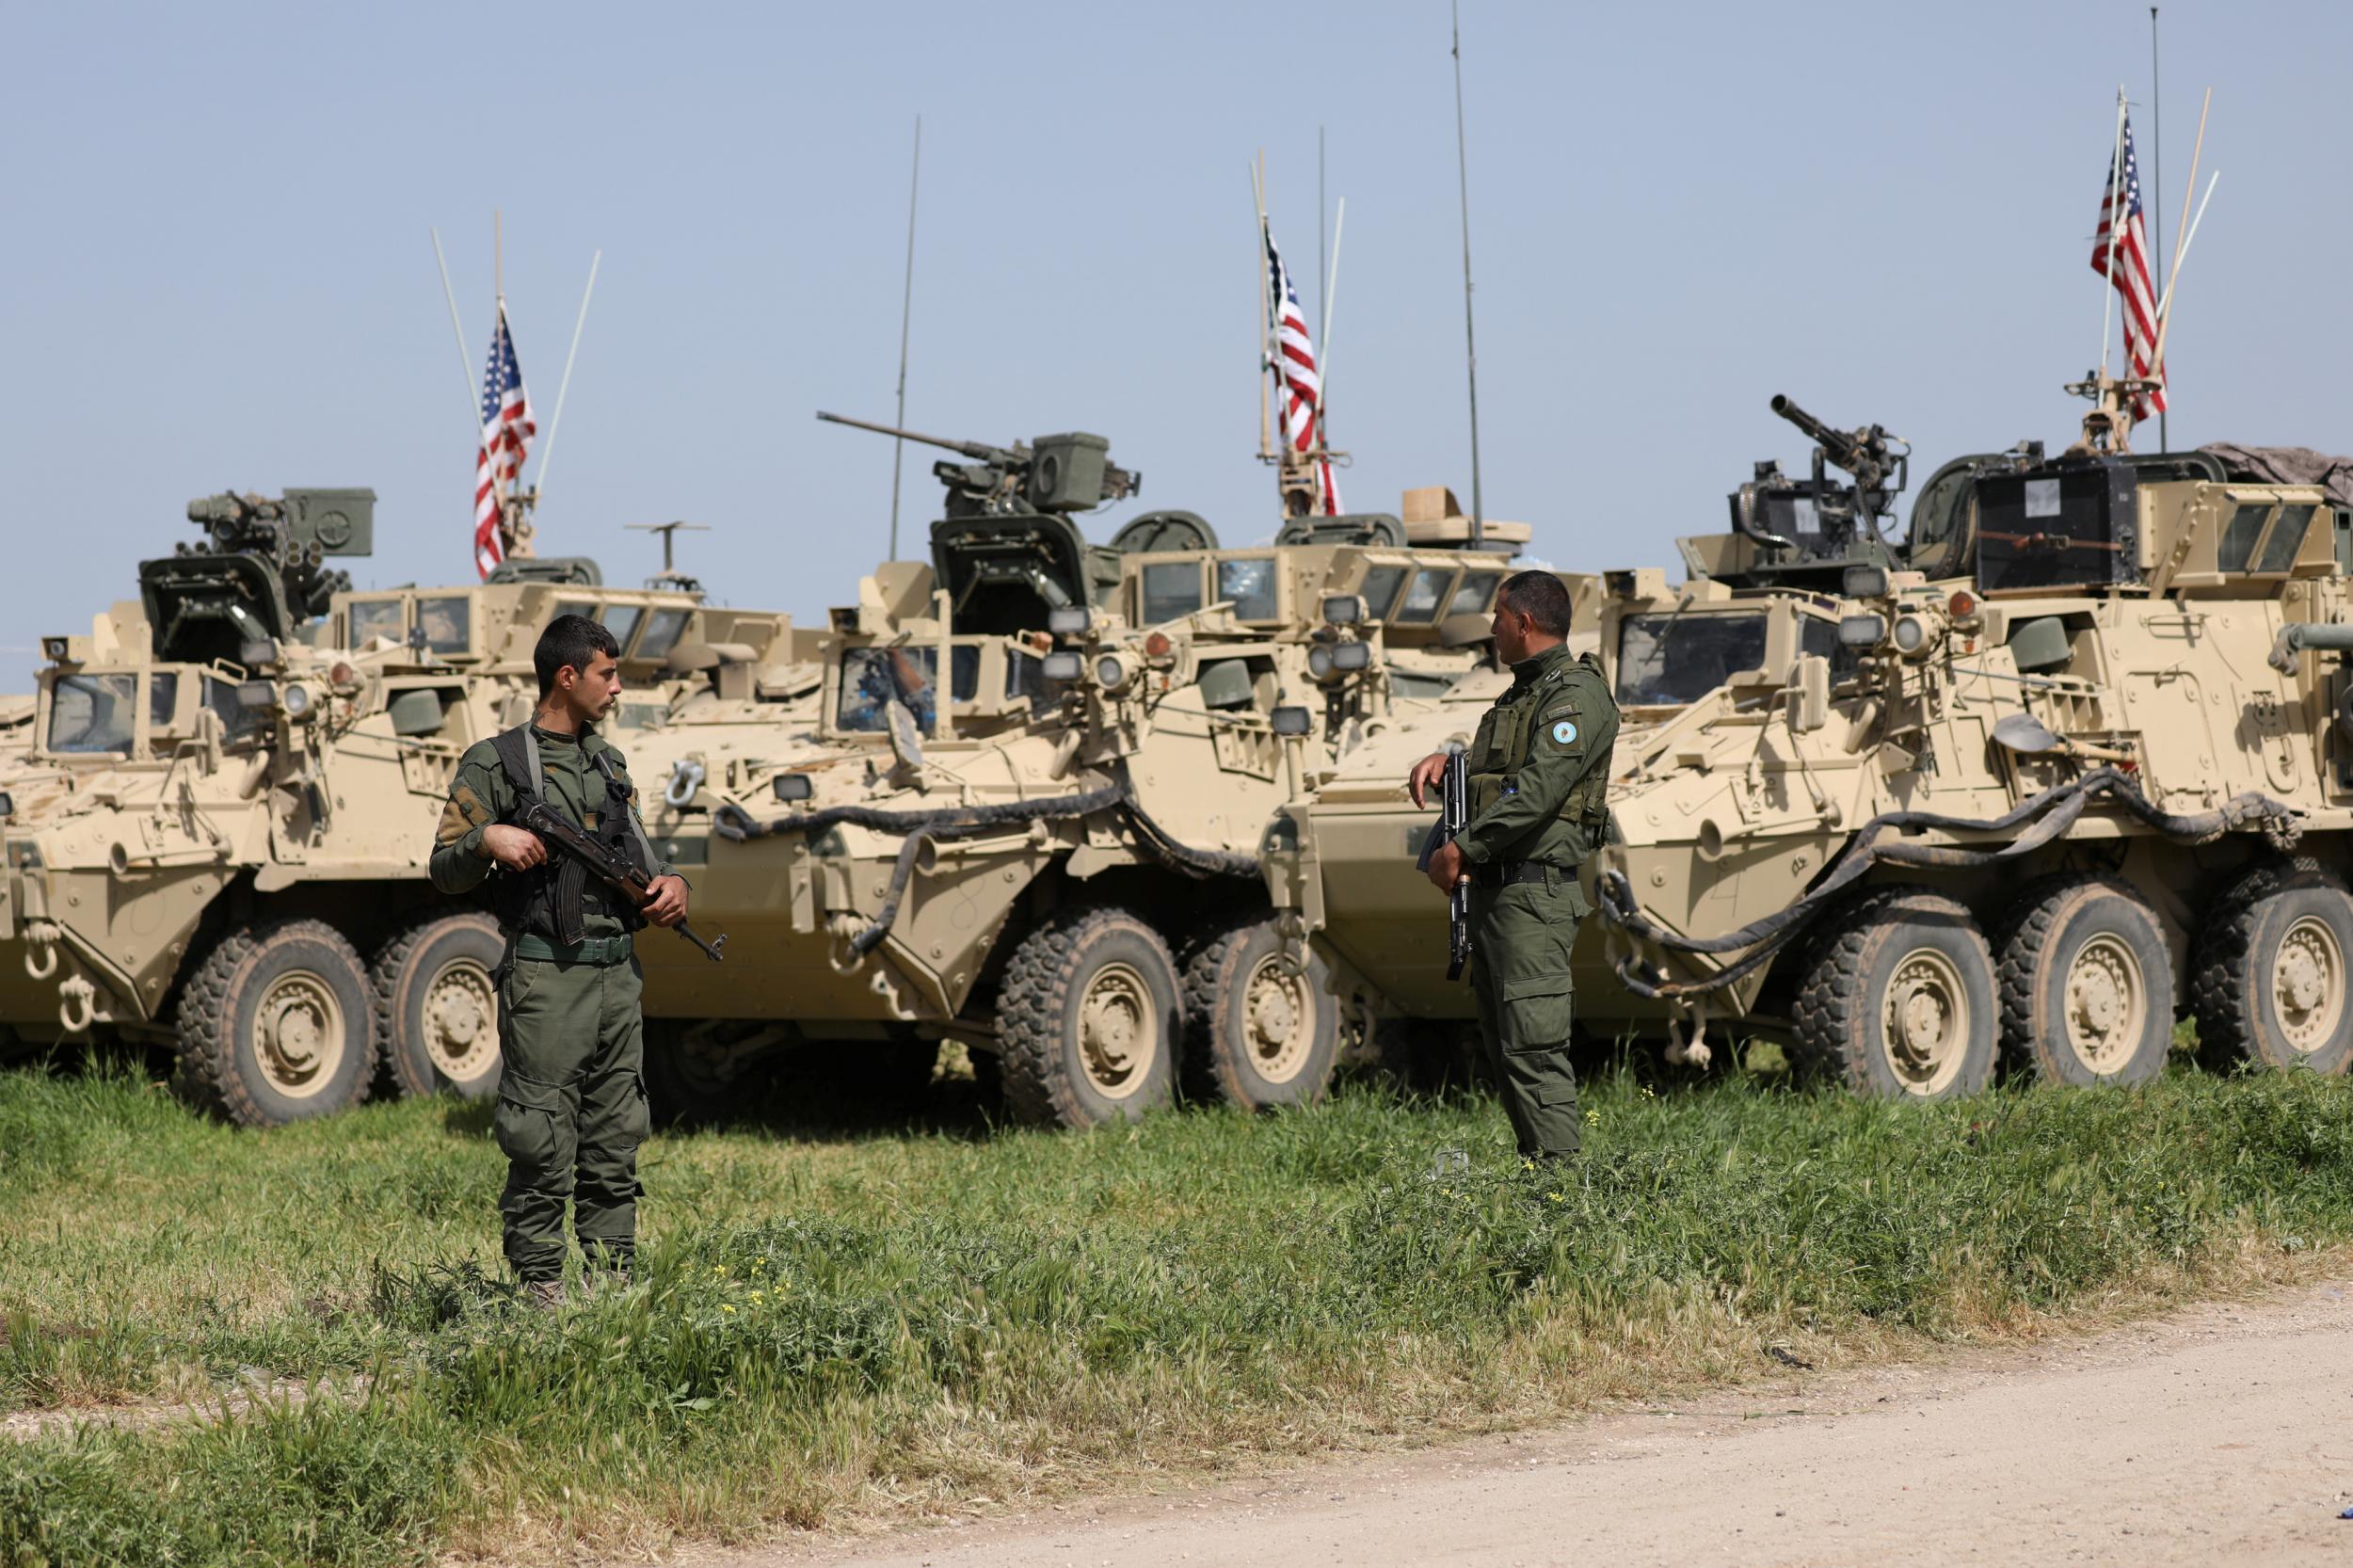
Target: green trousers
<point>1520,940</point>
<point>571,1110</point>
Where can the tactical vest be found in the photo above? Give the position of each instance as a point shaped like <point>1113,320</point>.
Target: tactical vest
<point>1506,741</point>
<point>550,899</point>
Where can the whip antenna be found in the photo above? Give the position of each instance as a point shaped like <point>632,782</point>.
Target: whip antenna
<point>1470,341</point>
<point>906,314</point>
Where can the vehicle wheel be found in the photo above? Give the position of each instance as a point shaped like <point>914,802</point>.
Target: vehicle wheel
<point>1258,1033</point>
<point>1089,1022</point>
<point>891,1077</point>
<point>2087,983</point>
<point>1897,998</point>
<point>275,1025</point>
<point>2271,971</point>
<point>697,1077</point>
<point>437,1010</point>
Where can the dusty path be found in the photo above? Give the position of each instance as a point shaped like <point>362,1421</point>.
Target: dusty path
<point>2222,1434</point>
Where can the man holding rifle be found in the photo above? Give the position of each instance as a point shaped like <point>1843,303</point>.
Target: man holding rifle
<point>1538,773</point>
<point>571,1107</point>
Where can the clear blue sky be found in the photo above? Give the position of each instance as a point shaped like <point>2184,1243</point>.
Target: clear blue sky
<point>217,271</point>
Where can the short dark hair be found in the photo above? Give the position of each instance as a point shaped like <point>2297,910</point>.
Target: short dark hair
<point>573,640</point>
<point>1541,596</point>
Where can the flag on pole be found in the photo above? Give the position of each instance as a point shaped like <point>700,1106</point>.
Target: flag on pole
<point>1295,373</point>
<point>506,431</point>
<point>2130,273</point>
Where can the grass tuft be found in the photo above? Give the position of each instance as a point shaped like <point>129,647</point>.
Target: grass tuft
<point>832,1320</point>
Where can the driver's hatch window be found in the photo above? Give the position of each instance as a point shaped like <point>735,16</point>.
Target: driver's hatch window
<point>1424,597</point>
<point>376,618</point>
<point>1249,586</point>
<point>1172,590</point>
<point>92,713</point>
<point>873,677</point>
<point>163,700</point>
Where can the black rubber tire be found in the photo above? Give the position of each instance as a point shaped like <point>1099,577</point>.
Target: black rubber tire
<point>402,978</point>
<point>891,1077</point>
<point>1046,1082</point>
<point>219,1070</point>
<point>2235,969</point>
<point>686,1087</point>
<point>1220,1059</point>
<point>2045,933</point>
<point>1847,969</point>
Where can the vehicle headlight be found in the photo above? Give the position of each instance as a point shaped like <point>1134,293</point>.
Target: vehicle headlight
<point>297,701</point>
<point>1864,581</point>
<point>1320,661</point>
<point>1113,671</point>
<point>1064,667</point>
<point>1353,656</point>
<point>1863,631</point>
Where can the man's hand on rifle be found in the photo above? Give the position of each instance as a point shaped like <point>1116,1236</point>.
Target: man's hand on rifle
<point>665,901</point>
<point>518,849</point>
<point>1447,868</point>
<point>1428,774</point>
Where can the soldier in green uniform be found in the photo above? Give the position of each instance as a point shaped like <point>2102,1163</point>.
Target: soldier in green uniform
<point>1538,772</point>
<point>571,1107</point>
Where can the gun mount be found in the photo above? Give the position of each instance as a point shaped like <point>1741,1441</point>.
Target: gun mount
<point>1053,475</point>
<point>260,571</point>
<point>1793,531</point>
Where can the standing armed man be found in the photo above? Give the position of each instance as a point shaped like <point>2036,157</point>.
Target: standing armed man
<point>571,1107</point>
<point>1537,772</point>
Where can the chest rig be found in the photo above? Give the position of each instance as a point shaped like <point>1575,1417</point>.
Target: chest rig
<point>1506,743</point>
<point>550,900</point>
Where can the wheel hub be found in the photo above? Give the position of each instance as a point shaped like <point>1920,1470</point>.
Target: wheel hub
<point>2106,1004</point>
<point>1281,1014</point>
<point>2308,984</point>
<point>461,1021</point>
<point>298,1034</point>
<point>1925,1022</point>
<point>1118,1030</point>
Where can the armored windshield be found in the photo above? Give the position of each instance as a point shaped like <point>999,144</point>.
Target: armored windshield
<point>92,713</point>
<point>873,677</point>
<point>1670,660</point>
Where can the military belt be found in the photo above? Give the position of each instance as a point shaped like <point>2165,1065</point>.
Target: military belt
<point>1507,874</point>
<point>594,950</point>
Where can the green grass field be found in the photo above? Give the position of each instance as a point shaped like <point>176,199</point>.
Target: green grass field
<point>838,1319</point>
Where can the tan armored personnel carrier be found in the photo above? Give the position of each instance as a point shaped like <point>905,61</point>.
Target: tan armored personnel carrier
<point>1033,818</point>
<point>2071,758</point>
<point>219,839</point>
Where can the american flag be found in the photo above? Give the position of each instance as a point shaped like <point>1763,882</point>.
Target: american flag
<point>506,431</point>
<point>2131,273</point>
<point>1295,373</point>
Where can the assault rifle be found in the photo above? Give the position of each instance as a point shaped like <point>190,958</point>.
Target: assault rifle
<point>536,816</point>
<point>1453,816</point>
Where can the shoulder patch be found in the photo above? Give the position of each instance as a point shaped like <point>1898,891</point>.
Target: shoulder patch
<point>1565,733</point>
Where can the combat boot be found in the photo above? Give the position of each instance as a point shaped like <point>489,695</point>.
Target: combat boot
<point>545,1295</point>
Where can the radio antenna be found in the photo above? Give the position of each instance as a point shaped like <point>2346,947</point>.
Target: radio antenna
<point>547,452</point>
<point>2156,193</point>
<point>465,360</point>
<point>907,316</point>
<point>1470,341</point>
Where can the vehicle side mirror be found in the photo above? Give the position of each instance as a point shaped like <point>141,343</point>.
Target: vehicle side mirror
<point>1808,694</point>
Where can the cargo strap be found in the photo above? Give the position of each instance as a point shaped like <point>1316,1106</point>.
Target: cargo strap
<point>594,950</point>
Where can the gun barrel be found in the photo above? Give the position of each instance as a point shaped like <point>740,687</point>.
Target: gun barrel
<point>974,450</point>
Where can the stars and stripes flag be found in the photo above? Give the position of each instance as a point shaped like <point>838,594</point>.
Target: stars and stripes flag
<point>2130,272</point>
<point>1295,373</point>
<point>506,431</point>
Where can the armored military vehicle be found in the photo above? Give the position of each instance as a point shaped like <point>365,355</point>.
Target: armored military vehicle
<point>2069,760</point>
<point>219,844</point>
<point>1042,775</point>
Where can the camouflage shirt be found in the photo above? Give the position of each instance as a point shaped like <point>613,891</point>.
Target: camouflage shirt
<point>482,794</point>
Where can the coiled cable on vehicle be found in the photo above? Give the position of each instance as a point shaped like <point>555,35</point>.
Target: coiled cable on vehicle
<point>731,822</point>
<point>2053,811</point>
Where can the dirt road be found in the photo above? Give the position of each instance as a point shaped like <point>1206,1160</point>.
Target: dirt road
<point>2222,1434</point>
